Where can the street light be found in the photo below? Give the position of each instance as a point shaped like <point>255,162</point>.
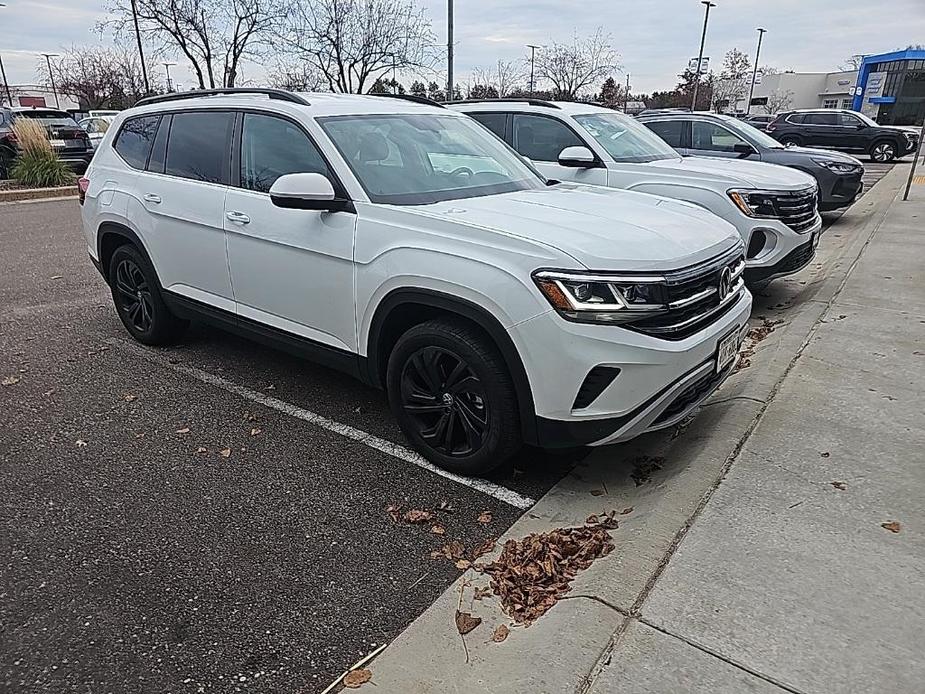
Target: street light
<point>6,84</point>
<point>751,92</point>
<point>449,50</point>
<point>532,61</point>
<point>167,69</point>
<point>703,39</point>
<point>51,76</point>
<point>141,53</point>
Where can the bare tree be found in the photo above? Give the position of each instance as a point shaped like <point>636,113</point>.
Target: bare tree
<point>573,67</point>
<point>851,63</point>
<point>99,77</point>
<point>504,76</point>
<point>778,101</point>
<point>215,36</point>
<point>732,84</point>
<point>297,76</point>
<point>355,42</point>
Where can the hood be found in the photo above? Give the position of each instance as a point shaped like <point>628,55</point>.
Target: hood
<point>815,153</point>
<point>739,173</point>
<point>601,228</point>
<point>911,130</point>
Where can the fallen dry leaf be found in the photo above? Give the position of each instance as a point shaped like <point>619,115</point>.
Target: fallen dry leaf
<point>10,380</point>
<point>357,678</point>
<point>129,397</point>
<point>482,549</point>
<point>452,550</point>
<point>465,622</point>
<point>481,592</point>
<point>485,517</point>
<point>184,430</point>
<point>225,452</point>
<point>255,431</point>
<point>417,516</point>
<point>841,486</point>
<point>597,492</point>
<point>463,564</point>
<point>80,443</point>
<point>500,633</point>
<point>892,526</point>
<point>445,506</point>
<point>627,510</point>
<point>248,417</point>
<point>394,510</point>
<point>438,529</point>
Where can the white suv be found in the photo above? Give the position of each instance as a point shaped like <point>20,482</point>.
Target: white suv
<point>404,244</point>
<point>774,208</point>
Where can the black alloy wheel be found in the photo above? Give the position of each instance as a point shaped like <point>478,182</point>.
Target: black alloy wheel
<point>134,295</point>
<point>445,399</point>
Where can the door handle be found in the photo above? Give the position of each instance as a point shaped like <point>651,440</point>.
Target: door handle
<point>151,197</point>
<point>238,217</point>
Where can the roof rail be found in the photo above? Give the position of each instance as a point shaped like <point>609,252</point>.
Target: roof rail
<point>409,97</point>
<point>229,91</point>
<point>531,102</point>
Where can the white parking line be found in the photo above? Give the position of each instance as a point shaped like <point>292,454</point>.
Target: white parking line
<point>508,496</point>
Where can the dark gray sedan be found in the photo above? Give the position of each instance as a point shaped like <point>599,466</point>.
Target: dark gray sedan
<point>714,135</point>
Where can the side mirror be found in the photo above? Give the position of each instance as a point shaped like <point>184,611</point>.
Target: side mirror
<point>305,191</point>
<point>577,157</point>
<point>743,148</point>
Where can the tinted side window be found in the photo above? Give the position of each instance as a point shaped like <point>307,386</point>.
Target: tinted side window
<point>198,146</point>
<point>848,120</point>
<point>135,140</point>
<point>542,139</point>
<point>669,130</point>
<point>821,119</point>
<point>712,137</point>
<point>795,118</point>
<point>493,121</point>
<point>159,151</point>
<point>272,147</point>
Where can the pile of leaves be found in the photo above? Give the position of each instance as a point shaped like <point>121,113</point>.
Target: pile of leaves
<point>752,338</point>
<point>533,574</point>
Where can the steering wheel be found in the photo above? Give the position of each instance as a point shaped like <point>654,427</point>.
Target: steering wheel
<point>462,170</point>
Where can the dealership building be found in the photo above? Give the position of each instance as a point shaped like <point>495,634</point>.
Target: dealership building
<point>889,87</point>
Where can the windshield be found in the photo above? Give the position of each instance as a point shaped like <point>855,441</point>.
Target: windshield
<point>48,117</point>
<point>625,139</point>
<point>867,120</point>
<point>750,132</point>
<point>408,159</point>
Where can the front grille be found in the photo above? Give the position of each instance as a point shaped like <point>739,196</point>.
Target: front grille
<point>798,210</point>
<point>693,297</point>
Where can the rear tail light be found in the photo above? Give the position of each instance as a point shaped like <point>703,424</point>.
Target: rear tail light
<point>83,183</point>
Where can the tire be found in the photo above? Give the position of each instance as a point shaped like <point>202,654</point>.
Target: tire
<point>883,151</point>
<point>791,141</point>
<point>452,394</point>
<point>137,297</point>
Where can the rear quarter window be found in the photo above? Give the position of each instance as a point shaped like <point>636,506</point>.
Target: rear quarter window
<point>135,140</point>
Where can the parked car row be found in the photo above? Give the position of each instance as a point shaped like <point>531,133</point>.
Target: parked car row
<point>67,138</point>
<point>569,280</point>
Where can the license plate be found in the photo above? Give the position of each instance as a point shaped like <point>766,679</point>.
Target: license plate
<point>726,350</point>
<point>57,143</point>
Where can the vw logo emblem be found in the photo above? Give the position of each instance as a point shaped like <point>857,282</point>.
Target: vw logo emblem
<point>725,283</point>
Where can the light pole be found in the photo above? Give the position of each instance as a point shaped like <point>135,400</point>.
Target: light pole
<point>703,40</point>
<point>532,63</point>
<point>6,85</point>
<point>51,76</point>
<point>167,70</point>
<point>751,92</point>
<point>141,53</point>
<point>626,94</point>
<point>449,50</point>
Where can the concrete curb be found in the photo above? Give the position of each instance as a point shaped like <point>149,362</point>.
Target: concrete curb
<point>567,648</point>
<point>22,194</point>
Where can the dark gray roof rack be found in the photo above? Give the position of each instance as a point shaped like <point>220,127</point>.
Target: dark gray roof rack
<point>279,94</point>
<point>532,102</point>
<point>409,97</point>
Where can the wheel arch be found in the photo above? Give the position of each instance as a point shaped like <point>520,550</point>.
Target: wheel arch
<point>401,309</point>
<point>109,237</point>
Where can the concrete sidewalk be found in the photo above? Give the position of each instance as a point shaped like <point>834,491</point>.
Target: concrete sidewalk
<point>755,558</point>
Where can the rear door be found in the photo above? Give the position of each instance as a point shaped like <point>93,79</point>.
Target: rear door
<point>819,129</point>
<point>851,133</point>
<point>542,138</point>
<point>291,269</point>
<point>183,196</point>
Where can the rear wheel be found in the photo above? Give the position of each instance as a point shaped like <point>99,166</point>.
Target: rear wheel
<point>453,396</point>
<point>883,151</point>
<point>136,294</point>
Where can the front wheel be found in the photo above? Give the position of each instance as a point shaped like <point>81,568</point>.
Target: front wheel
<point>453,396</point>
<point>883,151</point>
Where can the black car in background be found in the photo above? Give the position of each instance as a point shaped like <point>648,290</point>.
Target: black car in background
<point>7,148</point>
<point>69,140</point>
<point>758,120</point>
<point>844,130</point>
<point>714,135</point>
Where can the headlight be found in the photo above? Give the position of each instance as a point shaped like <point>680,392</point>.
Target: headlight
<point>837,166</point>
<point>591,298</point>
<point>754,204</point>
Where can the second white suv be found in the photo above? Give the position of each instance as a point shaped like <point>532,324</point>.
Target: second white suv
<point>404,244</point>
<point>774,208</point>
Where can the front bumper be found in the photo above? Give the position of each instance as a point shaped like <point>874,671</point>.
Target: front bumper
<point>780,242</point>
<point>659,383</point>
<point>839,190</point>
<point>793,262</point>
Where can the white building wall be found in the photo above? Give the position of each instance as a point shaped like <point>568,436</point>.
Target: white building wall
<point>805,90</point>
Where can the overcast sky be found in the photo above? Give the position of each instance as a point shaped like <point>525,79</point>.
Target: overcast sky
<point>654,38</point>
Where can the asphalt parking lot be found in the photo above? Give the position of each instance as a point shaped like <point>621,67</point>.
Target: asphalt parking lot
<point>208,517</point>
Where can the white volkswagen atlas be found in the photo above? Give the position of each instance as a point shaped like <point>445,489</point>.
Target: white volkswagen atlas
<point>404,244</point>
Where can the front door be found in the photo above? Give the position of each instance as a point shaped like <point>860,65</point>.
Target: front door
<point>819,129</point>
<point>542,138</point>
<point>291,269</point>
<point>714,140</point>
